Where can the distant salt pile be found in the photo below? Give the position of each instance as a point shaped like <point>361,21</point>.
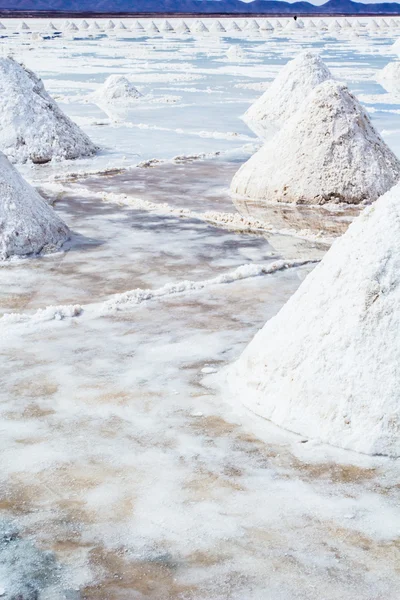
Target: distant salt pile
<point>389,78</point>
<point>2,28</point>
<point>72,28</point>
<point>116,89</point>
<point>122,27</point>
<point>199,27</point>
<point>234,27</point>
<point>32,126</point>
<point>253,25</point>
<point>84,25</point>
<point>28,225</point>
<point>372,26</point>
<point>24,27</point>
<point>292,25</point>
<point>328,151</point>
<point>166,27</point>
<point>152,28</point>
<point>278,25</point>
<point>110,26</point>
<point>294,83</point>
<point>327,365</point>
<point>137,27</point>
<point>266,26</point>
<point>217,27</point>
<point>182,27</point>
<point>52,27</point>
<point>94,27</point>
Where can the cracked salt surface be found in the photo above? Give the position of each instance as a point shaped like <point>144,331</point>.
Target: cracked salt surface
<point>115,455</point>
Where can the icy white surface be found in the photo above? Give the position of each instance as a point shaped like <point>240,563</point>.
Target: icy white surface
<point>28,225</point>
<point>317,367</point>
<point>32,126</point>
<point>287,92</point>
<point>328,151</point>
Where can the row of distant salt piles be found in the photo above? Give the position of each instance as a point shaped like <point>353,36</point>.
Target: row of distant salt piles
<point>32,128</point>
<point>214,26</point>
<point>327,365</point>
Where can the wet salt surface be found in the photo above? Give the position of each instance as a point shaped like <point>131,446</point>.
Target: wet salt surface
<point>146,483</point>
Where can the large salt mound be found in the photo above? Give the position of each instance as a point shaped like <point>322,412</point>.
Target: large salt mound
<point>328,151</point>
<point>285,94</point>
<point>27,224</point>
<point>327,365</point>
<point>389,77</point>
<point>32,127</point>
<point>116,88</point>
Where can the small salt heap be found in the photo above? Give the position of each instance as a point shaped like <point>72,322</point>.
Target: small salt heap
<point>199,27</point>
<point>32,126</point>
<point>285,94</point>
<point>234,27</point>
<point>217,27</point>
<point>236,54</point>
<point>152,28</point>
<point>116,88</point>
<point>182,27</point>
<point>28,225</point>
<point>137,27</point>
<point>328,151</point>
<point>327,365</point>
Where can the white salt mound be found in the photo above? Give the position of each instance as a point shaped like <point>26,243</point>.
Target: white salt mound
<point>328,151</point>
<point>116,88</point>
<point>235,53</point>
<point>327,365</point>
<point>389,77</point>
<point>28,225</point>
<point>32,126</point>
<point>282,99</point>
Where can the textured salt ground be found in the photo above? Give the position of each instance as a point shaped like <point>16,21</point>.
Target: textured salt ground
<point>115,248</point>
<point>138,477</point>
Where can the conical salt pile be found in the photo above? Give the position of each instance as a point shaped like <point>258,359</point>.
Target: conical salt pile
<point>32,126</point>
<point>389,77</point>
<point>84,25</point>
<point>199,27</point>
<point>152,28</point>
<point>167,27</point>
<point>182,27</point>
<point>234,27</point>
<point>122,27</point>
<point>2,27</point>
<point>28,225</point>
<point>266,26</point>
<point>327,365</point>
<point>137,27</point>
<point>24,27</point>
<point>217,27</point>
<point>110,25</point>
<point>94,26</point>
<point>285,94</point>
<point>253,25</point>
<point>116,88</point>
<point>328,151</point>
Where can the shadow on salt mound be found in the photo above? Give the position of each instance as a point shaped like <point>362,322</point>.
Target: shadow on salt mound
<point>282,99</point>
<point>32,126</point>
<point>28,225</point>
<point>389,78</point>
<point>317,368</point>
<point>328,152</point>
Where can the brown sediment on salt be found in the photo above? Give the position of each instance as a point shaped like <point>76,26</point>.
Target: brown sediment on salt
<point>328,152</point>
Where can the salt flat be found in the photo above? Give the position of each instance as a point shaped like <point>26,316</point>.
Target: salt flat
<point>116,454</point>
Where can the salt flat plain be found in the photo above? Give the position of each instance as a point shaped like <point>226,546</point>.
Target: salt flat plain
<point>144,481</point>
